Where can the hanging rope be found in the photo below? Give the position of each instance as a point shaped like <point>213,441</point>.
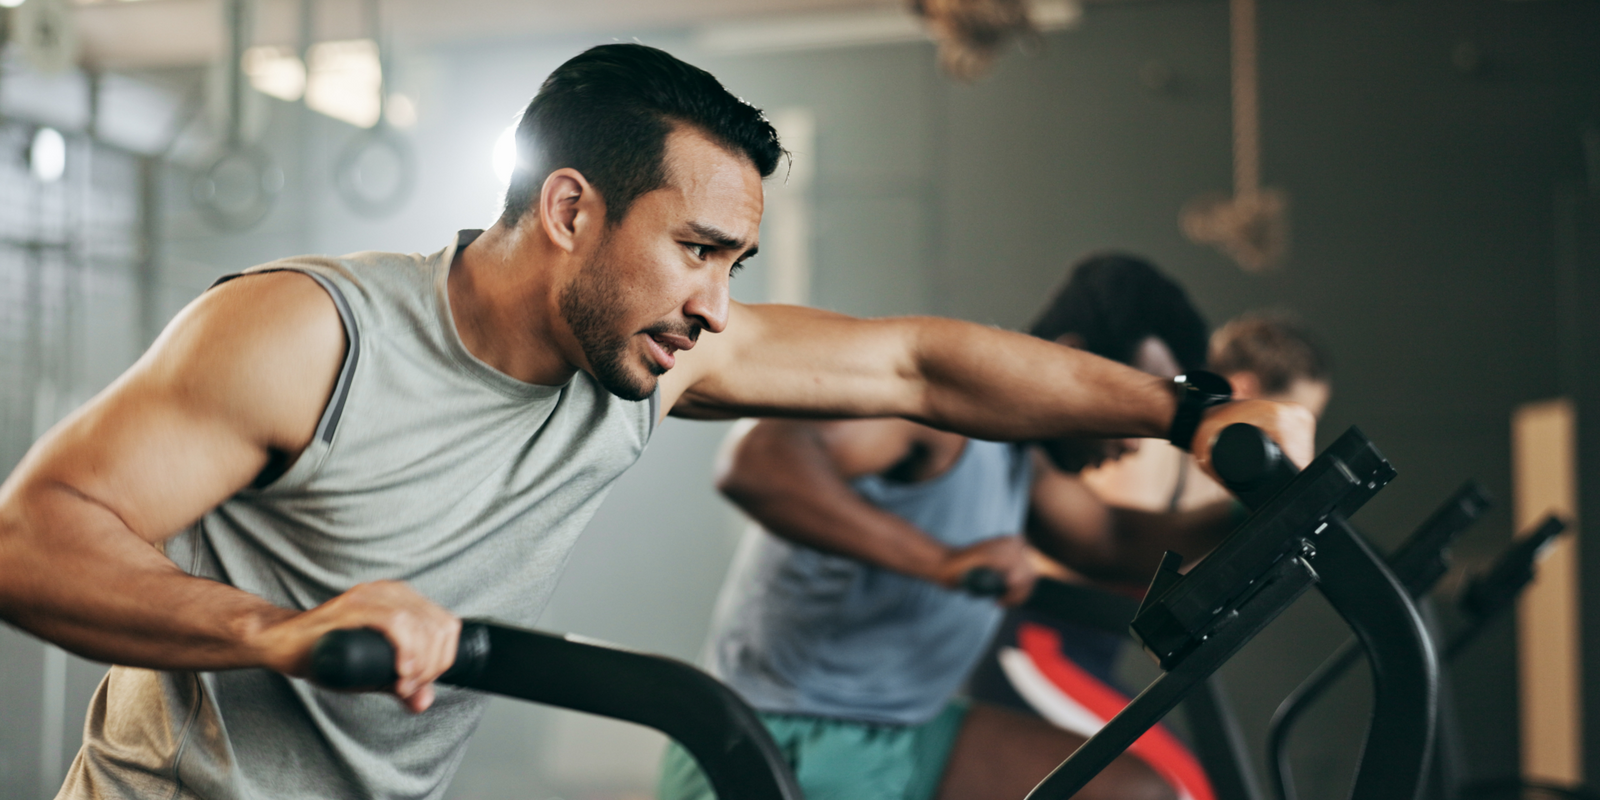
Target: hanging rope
<point>1246,118</point>
<point>1252,227</point>
<point>971,33</point>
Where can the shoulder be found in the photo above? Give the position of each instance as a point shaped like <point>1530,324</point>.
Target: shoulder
<point>265,346</point>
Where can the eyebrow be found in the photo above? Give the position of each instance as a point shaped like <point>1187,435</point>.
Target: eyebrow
<point>722,238</point>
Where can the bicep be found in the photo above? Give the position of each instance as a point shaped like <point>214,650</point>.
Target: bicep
<point>797,361</point>
<point>241,374</point>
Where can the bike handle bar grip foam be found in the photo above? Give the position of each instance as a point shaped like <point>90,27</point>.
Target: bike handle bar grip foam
<point>362,659</point>
<point>1250,464</point>
<point>984,582</point>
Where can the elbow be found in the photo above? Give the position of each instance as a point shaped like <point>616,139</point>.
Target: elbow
<point>739,484</point>
<point>731,476</point>
<point>752,468</point>
<point>10,578</point>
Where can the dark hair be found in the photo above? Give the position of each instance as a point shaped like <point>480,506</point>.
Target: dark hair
<point>1116,301</point>
<point>1272,345</point>
<point>607,112</point>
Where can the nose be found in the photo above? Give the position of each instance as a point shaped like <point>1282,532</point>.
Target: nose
<point>709,304</point>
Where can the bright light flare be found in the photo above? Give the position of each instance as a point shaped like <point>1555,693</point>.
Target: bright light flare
<point>343,80</point>
<point>276,71</point>
<point>505,155</point>
<point>47,155</point>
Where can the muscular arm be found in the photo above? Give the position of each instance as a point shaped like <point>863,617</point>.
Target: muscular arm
<point>952,375</point>
<point>1068,522</point>
<point>240,377</point>
<point>793,478</point>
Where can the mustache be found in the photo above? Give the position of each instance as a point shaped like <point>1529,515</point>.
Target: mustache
<point>688,330</point>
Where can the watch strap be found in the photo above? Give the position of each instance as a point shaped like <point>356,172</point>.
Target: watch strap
<point>1196,391</point>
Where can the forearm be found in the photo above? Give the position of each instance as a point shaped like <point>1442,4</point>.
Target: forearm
<point>995,384</point>
<point>854,530</point>
<point>784,475</point>
<point>1132,541</point>
<point>73,574</point>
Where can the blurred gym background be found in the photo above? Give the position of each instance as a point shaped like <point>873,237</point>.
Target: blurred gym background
<point>1441,160</point>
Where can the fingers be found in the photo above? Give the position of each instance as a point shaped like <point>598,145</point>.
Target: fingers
<point>424,636</point>
<point>1007,555</point>
<point>1290,425</point>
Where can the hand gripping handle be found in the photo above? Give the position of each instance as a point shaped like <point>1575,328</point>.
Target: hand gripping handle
<point>362,659</point>
<point>984,582</point>
<point>1250,464</point>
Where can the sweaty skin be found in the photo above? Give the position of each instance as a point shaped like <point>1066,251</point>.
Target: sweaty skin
<point>239,379</point>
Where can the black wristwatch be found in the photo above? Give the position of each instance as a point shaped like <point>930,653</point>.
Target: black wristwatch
<point>1196,391</point>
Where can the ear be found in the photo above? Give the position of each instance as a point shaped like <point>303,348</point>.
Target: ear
<point>1246,386</point>
<point>568,206</point>
<point>1071,340</point>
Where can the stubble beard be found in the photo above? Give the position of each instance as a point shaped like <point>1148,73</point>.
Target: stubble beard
<point>589,304</point>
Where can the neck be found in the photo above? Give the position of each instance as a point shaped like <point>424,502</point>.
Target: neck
<point>503,300</point>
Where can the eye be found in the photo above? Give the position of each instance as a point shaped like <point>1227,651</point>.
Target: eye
<point>700,251</point>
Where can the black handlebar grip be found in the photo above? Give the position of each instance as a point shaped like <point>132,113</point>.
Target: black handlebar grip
<point>361,659</point>
<point>984,582</point>
<point>1250,464</point>
<point>1486,594</point>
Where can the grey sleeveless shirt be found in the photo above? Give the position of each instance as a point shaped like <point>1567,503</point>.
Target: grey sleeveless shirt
<point>428,466</point>
<point>799,631</point>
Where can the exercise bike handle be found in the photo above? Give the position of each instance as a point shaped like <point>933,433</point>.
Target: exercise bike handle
<point>1250,464</point>
<point>984,582</point>
<point>362,659</point>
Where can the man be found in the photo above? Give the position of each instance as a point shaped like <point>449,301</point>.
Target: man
<point>388,441</point>
<point>842,619</point>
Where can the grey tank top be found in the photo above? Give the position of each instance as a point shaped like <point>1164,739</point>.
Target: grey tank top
<point>430,467</point>
<point>799,631</point>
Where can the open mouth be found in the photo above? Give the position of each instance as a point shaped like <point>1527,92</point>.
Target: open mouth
<point>663,350</point>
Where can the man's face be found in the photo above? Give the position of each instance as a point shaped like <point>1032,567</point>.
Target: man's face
<point>648,285</point>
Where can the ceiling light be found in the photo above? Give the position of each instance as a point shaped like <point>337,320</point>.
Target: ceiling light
<point>344,80</point>
<point>47,155</point>
<point>275,71</point>
<point>10,3</point>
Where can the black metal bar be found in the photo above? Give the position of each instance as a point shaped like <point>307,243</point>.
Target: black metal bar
<point>1418,563</point>
<point>1489,593</point>
<point>1219,742</point>
<point>1405,669</point>
<point>1280,769</point>
<point>1217,739</point>
<point>719,729</point>
<point>1193,623</point>
<point>1284,582</point>
<point>1424,557</point>
<point>1178,610</point>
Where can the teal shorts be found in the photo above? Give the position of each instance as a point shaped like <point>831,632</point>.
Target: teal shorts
<point>837,759</point>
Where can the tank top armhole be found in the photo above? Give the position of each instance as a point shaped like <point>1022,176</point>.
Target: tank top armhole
<point>322,440</point>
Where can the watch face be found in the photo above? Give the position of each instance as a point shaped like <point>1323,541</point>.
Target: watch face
<point>1207,382</point>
